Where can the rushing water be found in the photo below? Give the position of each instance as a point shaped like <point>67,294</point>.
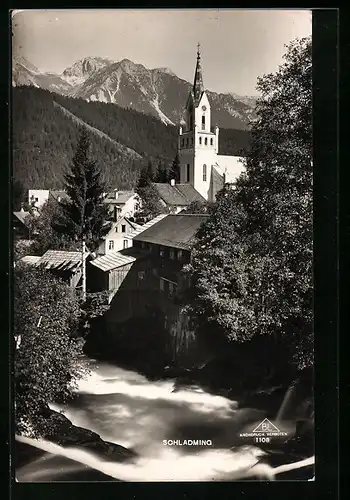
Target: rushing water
<point>124,407</point>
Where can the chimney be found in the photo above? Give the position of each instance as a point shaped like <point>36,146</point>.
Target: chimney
<point>172,182</point>
<point>116,194</point>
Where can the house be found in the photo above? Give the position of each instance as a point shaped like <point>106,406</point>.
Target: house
<point>20,225</point>
<point>201,165</point>
<point>177,197</point>
<point>116,239</point>
<point>65,265</point>
<point>37,197</point>
<point>153,279</point>
<point>58,195</point>
<point>122,203</point>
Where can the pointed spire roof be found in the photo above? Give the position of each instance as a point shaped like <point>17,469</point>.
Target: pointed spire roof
<point>198,87</point>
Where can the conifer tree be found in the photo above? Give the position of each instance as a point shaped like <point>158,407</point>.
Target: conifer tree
<point>84,213</point>
<point>175,169</point>
<point>161,175</point>
<point>146,176</point>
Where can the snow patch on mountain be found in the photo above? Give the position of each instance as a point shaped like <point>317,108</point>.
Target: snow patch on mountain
<point>161,115</point>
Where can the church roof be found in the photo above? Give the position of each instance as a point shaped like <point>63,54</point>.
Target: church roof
<point>179,194</point>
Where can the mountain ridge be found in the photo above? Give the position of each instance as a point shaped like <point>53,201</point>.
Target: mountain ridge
<point>158,92</point>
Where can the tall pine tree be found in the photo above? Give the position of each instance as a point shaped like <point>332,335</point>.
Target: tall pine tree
<point>161,174</point>
<point>84,214</point>
<point>175,169</point>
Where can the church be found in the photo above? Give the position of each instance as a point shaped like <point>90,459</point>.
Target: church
<point>203,171</point>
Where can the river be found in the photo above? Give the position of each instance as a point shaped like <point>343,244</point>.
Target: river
<point>154,419</point>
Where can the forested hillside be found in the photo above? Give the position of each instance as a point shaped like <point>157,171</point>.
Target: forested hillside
<point>46,129</point>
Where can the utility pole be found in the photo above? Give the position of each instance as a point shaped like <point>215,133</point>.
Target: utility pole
<point>83,270</point>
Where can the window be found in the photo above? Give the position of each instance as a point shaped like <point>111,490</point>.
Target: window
<point>206,141</point>
<point>161,252</point>
<point>200,140</point>
<point>116,229</point>
<point>172,254</point>
<point>211,142</point>
<point>123,228</point>
<point>188,172</point>
<point>171,288</point>
<point>186,143</point>
<point>111,245</point>
<point>203,122</point>
<point>125,244</point>
<point>204,173</point>
<point>141,275</point>
<point>36,200</point>
<point>142,244</point>
<point>179,254</point>
<point>182,143</point>
<point>191,141</point>
<point>161,284</point>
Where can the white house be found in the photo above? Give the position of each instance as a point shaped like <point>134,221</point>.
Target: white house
<point>122,203</point>
<point>37,197</point>
<point>117,237</point>
<point>201,165</point>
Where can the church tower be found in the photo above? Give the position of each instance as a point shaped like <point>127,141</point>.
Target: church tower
<point>198,142</point>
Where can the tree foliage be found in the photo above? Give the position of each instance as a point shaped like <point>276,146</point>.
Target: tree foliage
<point>197,207</point>
<point>46,322</point>
<point>252,266</point>
<point>175,169</point>
<point>84,213</point>
<point>43,230</point>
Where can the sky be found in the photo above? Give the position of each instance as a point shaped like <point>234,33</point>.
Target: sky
<point>237,46</point>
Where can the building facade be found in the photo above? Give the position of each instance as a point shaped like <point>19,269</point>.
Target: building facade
<point>116,239</point>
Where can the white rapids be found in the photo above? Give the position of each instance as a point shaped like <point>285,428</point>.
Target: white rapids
<point>124,407</point>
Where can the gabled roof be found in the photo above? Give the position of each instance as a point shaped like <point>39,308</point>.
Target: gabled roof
<point>58,195</point>
<point>133,225</point>
<point>148,224</point>
<point>113,260</point>
<point>61,260</point>
<point>177,231</point>
<point>21,216</point>
<point>123,197</point>
<point>179,194</point>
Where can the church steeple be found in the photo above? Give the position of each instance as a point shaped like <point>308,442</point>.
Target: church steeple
<point>198,87</point>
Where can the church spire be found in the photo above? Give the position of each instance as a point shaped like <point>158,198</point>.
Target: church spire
<point>198,86</point>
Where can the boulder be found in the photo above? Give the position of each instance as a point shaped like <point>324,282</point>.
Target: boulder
<point>62,432</point>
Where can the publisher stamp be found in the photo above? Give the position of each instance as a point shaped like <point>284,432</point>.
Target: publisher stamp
<point>265,432</point>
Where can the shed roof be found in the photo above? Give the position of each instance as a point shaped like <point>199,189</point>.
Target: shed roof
<point>61,260</point>
<point>113,260</point>
<point>179,194</point>
<point>30,259</point>
<point>177,231</point>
